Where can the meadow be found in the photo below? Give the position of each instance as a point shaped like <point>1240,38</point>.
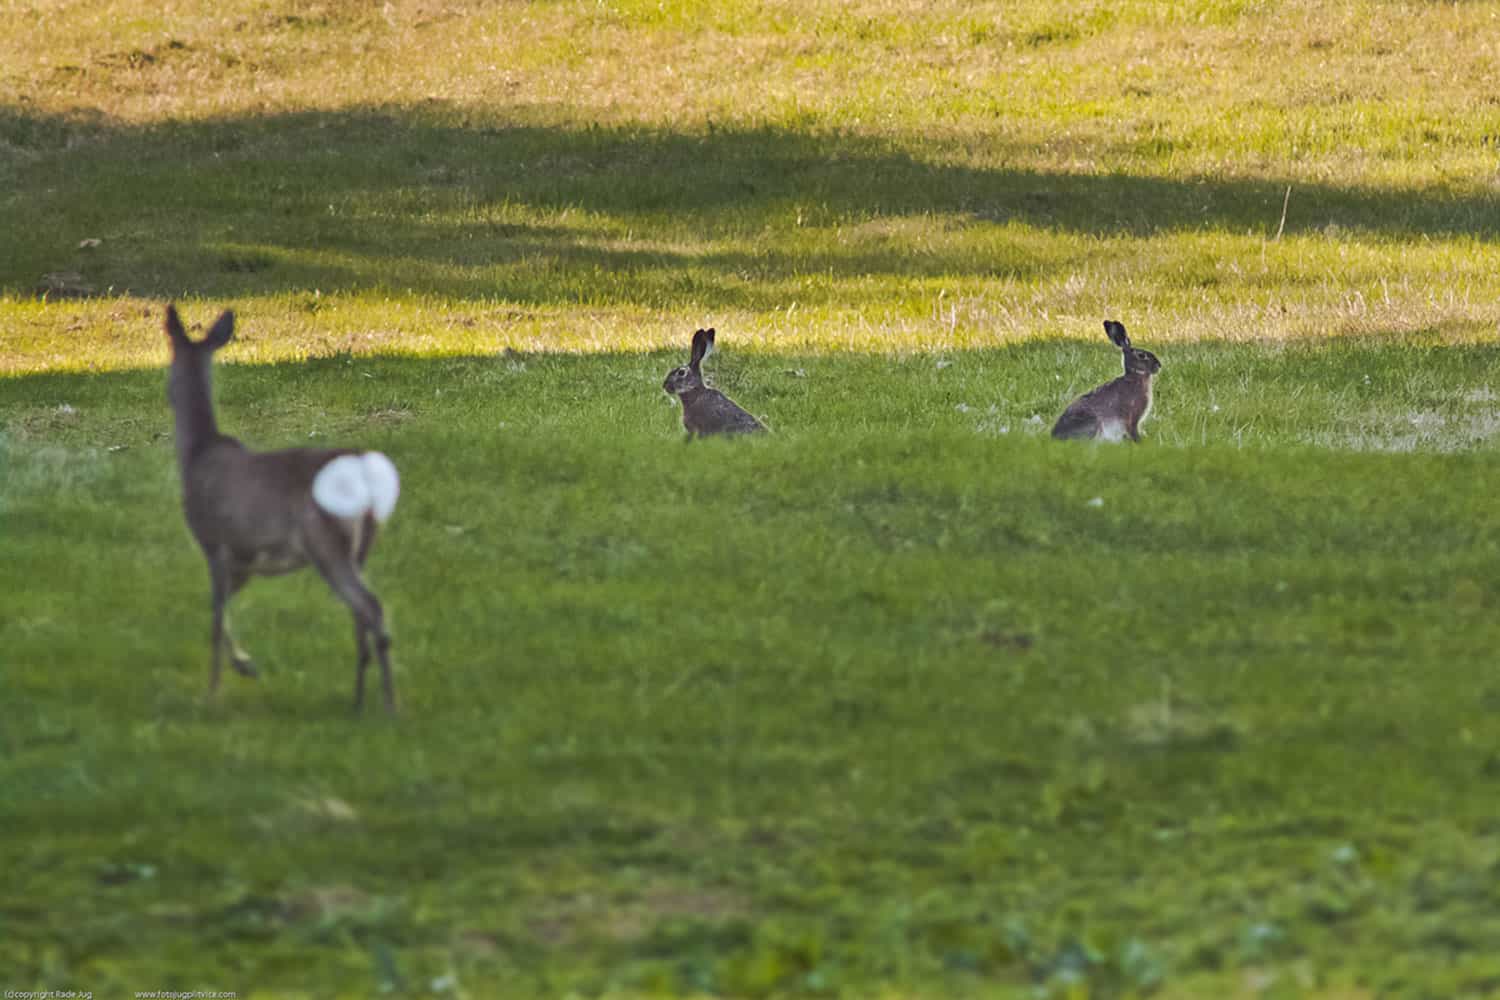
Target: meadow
<point>901,700</point>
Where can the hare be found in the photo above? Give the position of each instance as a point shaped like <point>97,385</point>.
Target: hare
<point>706,411</point>
<point>1116,409</point>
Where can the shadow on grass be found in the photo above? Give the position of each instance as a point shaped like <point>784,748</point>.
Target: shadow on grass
<point>424,199</point>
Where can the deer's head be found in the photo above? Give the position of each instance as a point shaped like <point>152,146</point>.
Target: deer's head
<point>191,359</point>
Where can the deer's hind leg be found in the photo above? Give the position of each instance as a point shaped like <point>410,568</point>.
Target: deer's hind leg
<point>338,562</point>
<point>362,641</point>
<point>363,542</point>
<point>365,539</point>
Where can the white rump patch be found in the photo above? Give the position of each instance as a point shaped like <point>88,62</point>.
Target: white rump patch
<point>352,485</point>
<point>340,487</point>
<point>385,485</point>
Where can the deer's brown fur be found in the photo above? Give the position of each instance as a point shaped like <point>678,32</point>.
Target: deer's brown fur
<point>254,513</point>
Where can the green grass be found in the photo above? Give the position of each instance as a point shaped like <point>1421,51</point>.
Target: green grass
<point>904,694</point>
<point>903,700</point>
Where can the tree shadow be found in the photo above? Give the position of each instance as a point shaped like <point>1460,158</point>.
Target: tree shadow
<point>423,199</point>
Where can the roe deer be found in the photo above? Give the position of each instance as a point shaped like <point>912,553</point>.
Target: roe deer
<point>267,513</point>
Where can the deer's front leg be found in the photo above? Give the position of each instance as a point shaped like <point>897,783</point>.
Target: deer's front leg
<point>218,572</point>
<point>243,664</point>
<point>238,658</point>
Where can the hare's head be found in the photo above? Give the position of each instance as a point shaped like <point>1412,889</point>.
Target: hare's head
<point>1137,361</point>
<point>192,359</point>
<point>690,375</point>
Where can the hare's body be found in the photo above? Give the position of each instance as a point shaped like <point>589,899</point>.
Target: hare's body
<point>706,411</point>
<point>1115,410</point>
<point>1112,412</point>
<point>273,512</point>
<point>709,411</point>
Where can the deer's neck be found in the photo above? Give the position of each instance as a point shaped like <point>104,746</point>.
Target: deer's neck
<point>196,427</point>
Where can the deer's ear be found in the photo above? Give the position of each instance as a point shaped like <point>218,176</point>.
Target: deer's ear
<point>220,333</point>
<point>175,333</point>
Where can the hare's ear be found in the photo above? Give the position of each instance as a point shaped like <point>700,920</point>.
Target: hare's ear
<point>222,330</point>
<point>703,341</point>
<point>1117,335</point>
<point>175,332</point>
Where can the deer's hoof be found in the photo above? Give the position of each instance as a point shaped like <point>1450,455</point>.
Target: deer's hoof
<point>244,666</point>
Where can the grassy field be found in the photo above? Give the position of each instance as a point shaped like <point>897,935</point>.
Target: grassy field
<point>903,700</point>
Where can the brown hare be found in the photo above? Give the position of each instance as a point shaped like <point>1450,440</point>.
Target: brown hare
<point>706,411</point>
<point>1116,409</point>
